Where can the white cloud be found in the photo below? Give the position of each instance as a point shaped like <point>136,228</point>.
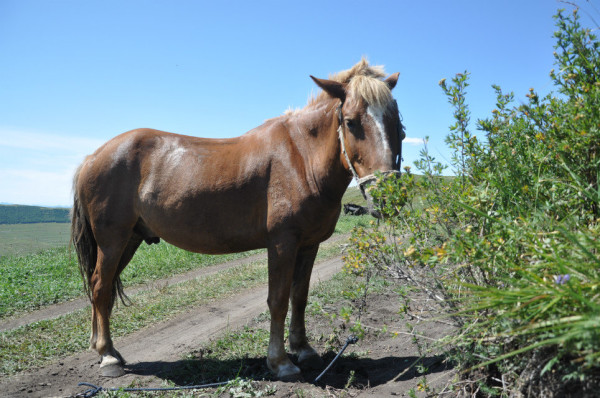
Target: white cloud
<point>37,168</point>
<point>35,187</point>
<point>413,141</point>
<point>47,142</point>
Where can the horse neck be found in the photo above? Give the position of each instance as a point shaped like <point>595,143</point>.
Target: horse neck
<point>323,151</point>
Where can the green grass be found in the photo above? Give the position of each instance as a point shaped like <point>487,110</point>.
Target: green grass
<point>353,195</point>
<point>38,343</point>
<point>346,223</point>
<point>28,282</point>
<point>52,276</point>
<point>22,239</point>
<point>41,342</point>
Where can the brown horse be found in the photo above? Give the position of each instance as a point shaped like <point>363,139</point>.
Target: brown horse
<point>279,187</point>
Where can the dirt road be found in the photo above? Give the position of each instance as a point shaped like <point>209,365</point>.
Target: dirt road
<point>152,350</point>
<point>149,349</point>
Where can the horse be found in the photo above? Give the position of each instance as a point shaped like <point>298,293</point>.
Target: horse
<point>279,187</point>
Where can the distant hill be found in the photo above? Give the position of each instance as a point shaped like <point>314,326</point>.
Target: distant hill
<point>20,214</point>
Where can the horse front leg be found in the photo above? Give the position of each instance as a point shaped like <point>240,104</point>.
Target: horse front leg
<point>281,268</point>
<point>307,356</point>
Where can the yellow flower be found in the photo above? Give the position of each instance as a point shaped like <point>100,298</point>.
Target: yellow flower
<point>440,252</point>
<point>409,252</point>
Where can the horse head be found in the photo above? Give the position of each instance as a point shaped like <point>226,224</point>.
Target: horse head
<point>369,126</point>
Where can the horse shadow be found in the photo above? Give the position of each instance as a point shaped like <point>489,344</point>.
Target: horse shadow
<point>348,371</point>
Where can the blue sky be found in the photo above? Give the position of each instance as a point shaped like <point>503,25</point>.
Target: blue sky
<point>74,74</point>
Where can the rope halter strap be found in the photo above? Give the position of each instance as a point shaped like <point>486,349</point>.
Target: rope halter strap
<point>361,181</point>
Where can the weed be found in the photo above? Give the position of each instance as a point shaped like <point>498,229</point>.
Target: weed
<point>240,388</point>
<point>351,379</point>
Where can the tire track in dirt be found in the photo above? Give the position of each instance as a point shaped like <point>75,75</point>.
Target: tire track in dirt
<point>150,350</point>
<point>56,310</point>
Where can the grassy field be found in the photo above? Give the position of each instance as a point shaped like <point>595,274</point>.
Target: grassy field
<point>32,345</point>
<point>31,281</point>
<point>37,268</point>
<point>52,276</point>
<point>20,239</point>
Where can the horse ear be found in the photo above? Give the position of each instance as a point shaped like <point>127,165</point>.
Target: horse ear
<point>392,80</point>
<point>334,89</point>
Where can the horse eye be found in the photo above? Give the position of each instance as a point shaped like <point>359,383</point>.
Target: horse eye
<point>350,123</point>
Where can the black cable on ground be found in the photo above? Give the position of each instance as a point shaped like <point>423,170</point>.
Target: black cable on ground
<point>350,340</point>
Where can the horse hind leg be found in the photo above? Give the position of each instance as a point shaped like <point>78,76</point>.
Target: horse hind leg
<point>106,288</point>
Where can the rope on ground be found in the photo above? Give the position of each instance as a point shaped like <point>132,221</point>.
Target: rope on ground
<point>94,389</point>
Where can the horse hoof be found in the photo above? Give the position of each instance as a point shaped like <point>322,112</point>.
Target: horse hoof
<point>112,370</point>
<point>289,373</point>
<point>286,372</point>
<point>310,361</point>
<point>112,366</point>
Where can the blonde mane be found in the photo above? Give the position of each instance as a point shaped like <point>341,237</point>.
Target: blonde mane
<point>363,80</point>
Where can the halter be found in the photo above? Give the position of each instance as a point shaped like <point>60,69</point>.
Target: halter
<point>371,177</point>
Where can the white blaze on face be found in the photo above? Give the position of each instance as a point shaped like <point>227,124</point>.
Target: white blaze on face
<point>376,114</point>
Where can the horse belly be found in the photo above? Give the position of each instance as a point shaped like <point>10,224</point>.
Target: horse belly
<point>211,225</point>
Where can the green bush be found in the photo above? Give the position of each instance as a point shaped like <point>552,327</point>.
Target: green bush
<point>510,245</point>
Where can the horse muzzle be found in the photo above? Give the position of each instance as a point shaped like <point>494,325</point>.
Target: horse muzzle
<point>363,184</point>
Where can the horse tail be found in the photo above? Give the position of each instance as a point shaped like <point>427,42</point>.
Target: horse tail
<point>82,238</point>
